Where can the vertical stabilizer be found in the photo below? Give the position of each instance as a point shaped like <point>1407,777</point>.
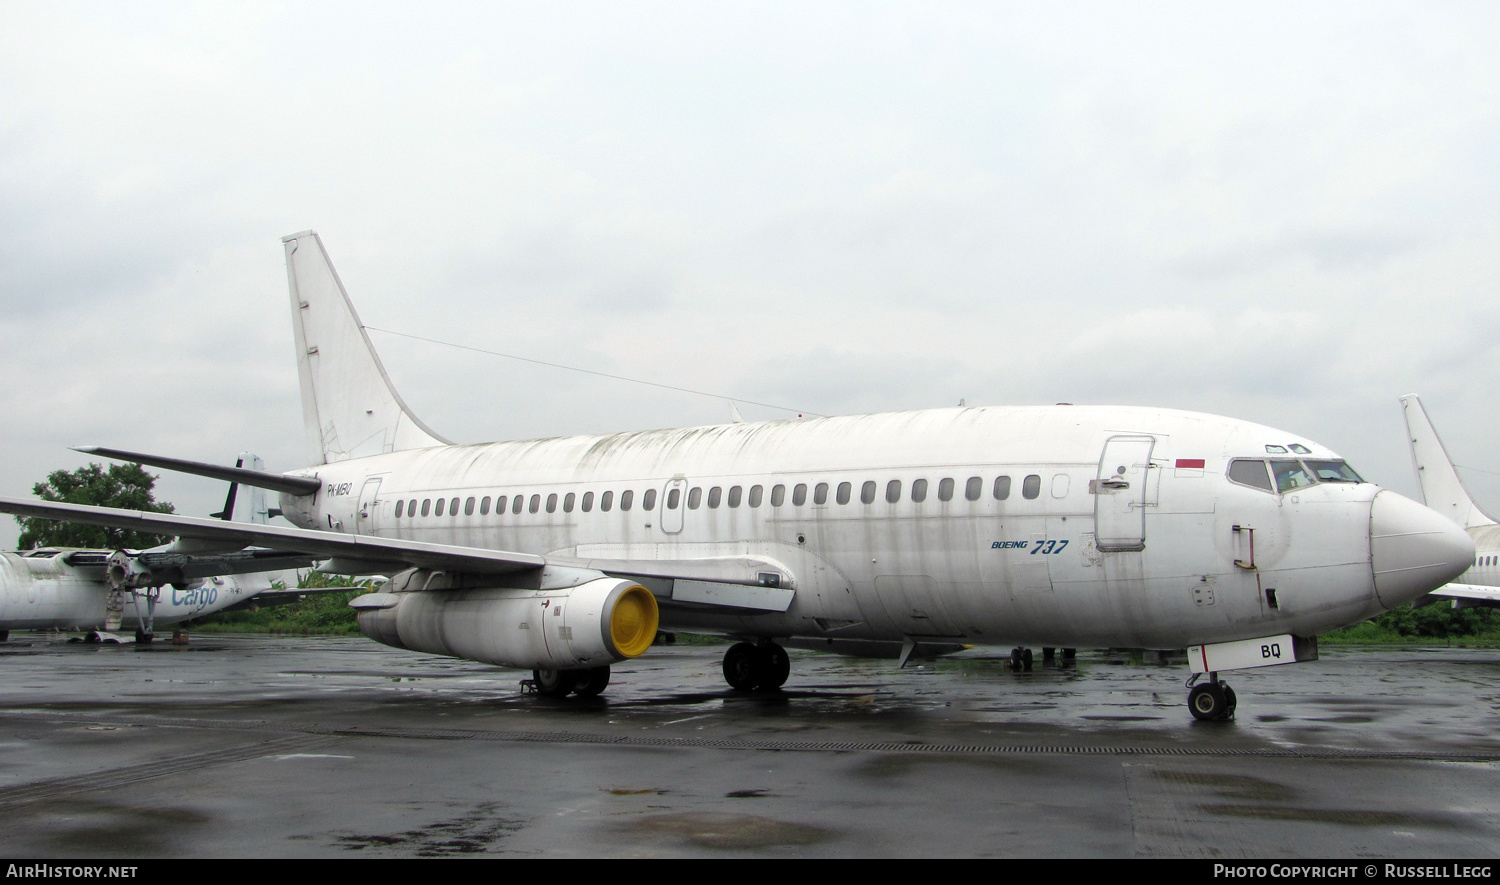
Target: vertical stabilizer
<point>1442,489</point>
<point>349,407</point>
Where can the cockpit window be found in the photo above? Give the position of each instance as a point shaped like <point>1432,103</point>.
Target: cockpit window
<point>1300,449</point>
<point>1291,475</point>
<point>1251,473</point>
<point>1333,471</point>
<point>1276,450</point>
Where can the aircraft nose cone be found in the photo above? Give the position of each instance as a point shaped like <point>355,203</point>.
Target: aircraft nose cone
<point>1413,550</point>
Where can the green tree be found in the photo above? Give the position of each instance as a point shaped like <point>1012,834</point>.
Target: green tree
<point>126,486</point>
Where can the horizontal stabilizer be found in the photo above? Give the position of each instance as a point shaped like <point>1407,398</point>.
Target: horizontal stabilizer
<point>276,482</point>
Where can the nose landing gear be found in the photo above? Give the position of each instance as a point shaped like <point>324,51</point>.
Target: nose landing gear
<point>1213,700</point>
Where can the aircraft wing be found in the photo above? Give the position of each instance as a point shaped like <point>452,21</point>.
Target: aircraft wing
<point>1475,592</point>
<point>748,583</point>
<point>370,551</point>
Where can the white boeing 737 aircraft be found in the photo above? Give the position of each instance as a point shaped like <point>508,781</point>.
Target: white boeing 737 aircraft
<point>1022,526</point>
<point>1444,491</point>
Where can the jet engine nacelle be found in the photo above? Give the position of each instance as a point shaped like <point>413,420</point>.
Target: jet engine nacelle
<point>593,624</point>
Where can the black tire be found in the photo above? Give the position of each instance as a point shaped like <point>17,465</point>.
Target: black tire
<point>554,683</point>
<point>591,681</point>
<point>1230,701</point>
<point>1207,702</point>
<point>1015,660</point>
<point>742,666</point>
<point>1026,659</point>
<point>775,666</point>
<point>144,638</point>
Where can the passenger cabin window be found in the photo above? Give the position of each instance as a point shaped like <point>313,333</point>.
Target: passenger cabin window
<point>715,497</point>
<point>552,503</point>
<point>845,489</point>
<point>695,497</point>
<point>1251,473</point>
<point>1002,488</point>
<point>484,506</point>
<point>536,503</point>
<point>919,490</point>
<point>626,498</point>
<point>1031,486</point>
<point>648,500</point>
<point>735,494</point>
<point>755,495</point>
<point>453,507</point>
<point>974,488</point>
<point>893,491</point>
<point>820,494</point>
<point>442,502</point>
<point>426,502</point>
<point>588,501</point>
<point>520,502</point>
<point>606,501</point>
<point>778,495</point>
<point>568,500</point>
<point>469,507</point>
<point>500,504</point>
<point>867,492</point>
<point>945,490</point>
<point>799,494</point>
<point>674,499</point>
<point>399,506</point>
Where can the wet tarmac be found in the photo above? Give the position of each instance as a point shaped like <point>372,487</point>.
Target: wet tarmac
<point>253,746</point>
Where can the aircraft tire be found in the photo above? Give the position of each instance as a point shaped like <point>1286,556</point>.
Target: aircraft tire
<point>143,638</point>
<point>554,683</point>
<point>775,666</point>
<point>1026,659</point>
<point>742,666</point>
<point>1230,701</point>
<point>591,681</point>
<point>1207,702</point>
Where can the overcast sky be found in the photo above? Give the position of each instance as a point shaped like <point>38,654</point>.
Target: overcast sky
<point>1289,214</point>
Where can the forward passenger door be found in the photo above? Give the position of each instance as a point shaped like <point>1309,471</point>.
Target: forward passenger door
<point>1120,493</point>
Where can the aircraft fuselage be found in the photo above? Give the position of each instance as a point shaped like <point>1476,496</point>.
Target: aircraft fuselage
<point>1060,526</point>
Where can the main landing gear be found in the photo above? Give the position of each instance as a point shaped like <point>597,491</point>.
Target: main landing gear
<point>1212,700</point>
<point>561,683</point>
<point>749,666</point>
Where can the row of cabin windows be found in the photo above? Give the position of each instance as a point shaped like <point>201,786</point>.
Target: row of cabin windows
<point>1031,487</point>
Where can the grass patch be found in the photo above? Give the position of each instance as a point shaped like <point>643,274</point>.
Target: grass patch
<point>1438,623</point>
<point>320,613</point>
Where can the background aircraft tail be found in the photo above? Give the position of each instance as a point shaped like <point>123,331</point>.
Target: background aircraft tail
<point>349,407</point>
<point>1442,489</point>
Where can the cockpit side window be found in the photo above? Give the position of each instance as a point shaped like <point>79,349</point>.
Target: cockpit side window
<point>1251,473</point>
<point>1333,471</point>
<point>1291,475</point>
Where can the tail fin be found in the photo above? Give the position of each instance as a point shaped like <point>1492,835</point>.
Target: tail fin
<point>1442,489</point>
<point>349,407</point>
<point>249,505</point>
